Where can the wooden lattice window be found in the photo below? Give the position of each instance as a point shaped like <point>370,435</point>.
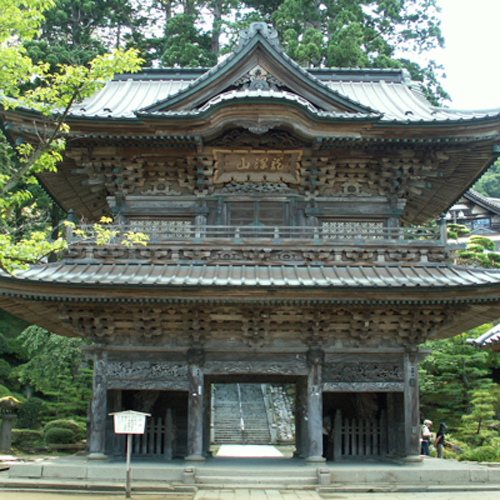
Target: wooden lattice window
<point>258,213</point>
<point>350,229</point>
<point>171,228</point>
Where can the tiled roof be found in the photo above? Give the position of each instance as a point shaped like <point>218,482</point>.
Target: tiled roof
<point>236,96</point>
<point>286,276</point>
<point>489,203</point>
<point>395,101</point>
<point>488,340</point>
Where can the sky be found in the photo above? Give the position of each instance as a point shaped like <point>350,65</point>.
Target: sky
<point>471,57</point>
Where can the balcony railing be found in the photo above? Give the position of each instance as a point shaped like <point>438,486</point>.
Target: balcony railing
<point>273,235</point>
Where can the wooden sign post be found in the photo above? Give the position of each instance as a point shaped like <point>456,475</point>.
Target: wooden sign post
<point>129,422</point>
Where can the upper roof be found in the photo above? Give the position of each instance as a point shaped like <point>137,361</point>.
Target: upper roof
<point>387,96</point>
<point>259,88</point>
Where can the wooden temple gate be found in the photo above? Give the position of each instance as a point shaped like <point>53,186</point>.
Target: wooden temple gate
<point>282,212</point>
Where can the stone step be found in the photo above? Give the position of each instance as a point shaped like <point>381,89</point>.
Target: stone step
<point>279,482</point>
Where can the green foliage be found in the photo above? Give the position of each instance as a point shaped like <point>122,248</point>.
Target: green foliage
<point>484,242</point>
<point>458,229</point>
<point>361,33</point>
<point>5,370</point>
<point>185,45</point>
<point>11,326</point>
<point>489,183</point>
<point>479,253</point>
<point>76,429</point>
<point>55,368</point>
<point>481,454</point>
<point>450,375</point>
<point>27,441</point>
<point>4,346</point>
<point>58,435</point>
<point>4,391</point>
<point>31,414</point>
<point>50,91</point>
<point>475,428</point>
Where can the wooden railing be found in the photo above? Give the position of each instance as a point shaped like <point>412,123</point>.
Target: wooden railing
<point>281,234</point>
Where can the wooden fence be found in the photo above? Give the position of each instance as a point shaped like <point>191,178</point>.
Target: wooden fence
<point>157,440</point>
<point>359,438</point>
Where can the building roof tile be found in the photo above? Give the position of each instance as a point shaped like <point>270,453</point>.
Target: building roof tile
<point>276,276</point>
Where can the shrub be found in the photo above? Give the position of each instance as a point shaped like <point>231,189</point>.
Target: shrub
<point>459,229</point>
<point>27,441</point>
<point>483,241</point>
<point>472,247</point>
<point>31,413</point>
<point>494,257</point>
<point>5,369</point>
<point>77,429</point>
<point>57,435</point>
<point>481,454</point>
<point>4,391</point>
<point>4,345</point>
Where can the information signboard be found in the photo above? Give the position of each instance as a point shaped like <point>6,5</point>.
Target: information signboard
<point>130,422</point>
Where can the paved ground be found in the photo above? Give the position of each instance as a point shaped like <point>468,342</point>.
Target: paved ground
<point>257,495</point>
<point>74,477</point>
<point>248,450</point>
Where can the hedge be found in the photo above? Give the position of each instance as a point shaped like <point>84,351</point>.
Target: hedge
<point>76,429</point>
<point>27,441</point>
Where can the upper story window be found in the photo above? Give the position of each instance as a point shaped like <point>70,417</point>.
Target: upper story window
<point>256,213</point>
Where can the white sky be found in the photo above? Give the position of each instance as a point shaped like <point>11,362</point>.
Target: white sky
<point>471,56</point>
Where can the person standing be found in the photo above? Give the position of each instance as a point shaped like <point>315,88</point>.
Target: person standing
<point>425,438</point>
<point>439,442</point>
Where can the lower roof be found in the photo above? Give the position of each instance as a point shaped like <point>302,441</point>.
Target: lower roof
<point>85,276</point>
<point>471,295</point>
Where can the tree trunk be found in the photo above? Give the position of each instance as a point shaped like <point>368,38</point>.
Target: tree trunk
<point>216,27</point>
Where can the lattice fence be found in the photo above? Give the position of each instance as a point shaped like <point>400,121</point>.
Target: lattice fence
<point>359,438</point>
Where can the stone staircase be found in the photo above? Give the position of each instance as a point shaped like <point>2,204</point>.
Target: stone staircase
<point>255,415</point>
<point>237,404</point>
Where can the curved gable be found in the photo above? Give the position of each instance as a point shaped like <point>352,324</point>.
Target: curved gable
<point>257,63</point>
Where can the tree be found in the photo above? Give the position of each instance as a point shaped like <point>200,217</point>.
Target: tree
<point>479,419</point>
<point>451,373</point>
<point>55,368</point>
<point>52,96</point>
<point>185,45</point>
<point>489,183</point>
<point>360,33</point>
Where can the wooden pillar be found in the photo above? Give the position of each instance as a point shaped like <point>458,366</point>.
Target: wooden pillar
<point>391,419</point>
<point>301,439</point>
<point>168,451</point>
<point>412,410</point>
<point>98,407</point>
<point>314,407</point>
<point>207,418</point>
<point>118,441</point>
<point>195,405</point>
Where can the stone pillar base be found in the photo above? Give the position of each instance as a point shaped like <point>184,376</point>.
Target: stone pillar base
<point>315,460</point>
<point>413,460</point>
<point>97,456</point>
<point>194,458</point>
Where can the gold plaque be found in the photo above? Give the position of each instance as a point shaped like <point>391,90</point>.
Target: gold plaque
<point>257,166</point>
